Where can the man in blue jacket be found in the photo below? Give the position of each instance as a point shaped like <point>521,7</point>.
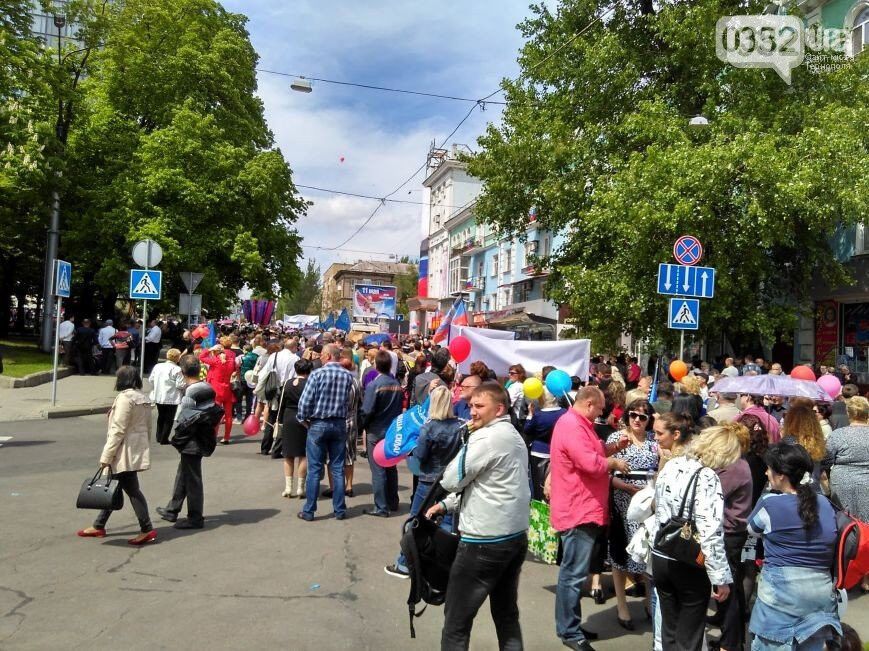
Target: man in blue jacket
<point>382,405</point>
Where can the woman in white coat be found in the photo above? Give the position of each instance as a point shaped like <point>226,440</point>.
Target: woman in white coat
<point>126,452</point>
<point>166,383</point>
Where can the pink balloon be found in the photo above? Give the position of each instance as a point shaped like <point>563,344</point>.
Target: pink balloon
<point>341,159</point>
<point>381,459</point>
<point>460,349</point>
<point>830,384</point>
<point>803,373</point>
<point>251,426</point>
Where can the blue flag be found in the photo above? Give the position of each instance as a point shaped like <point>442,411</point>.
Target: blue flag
<point>343,321</point>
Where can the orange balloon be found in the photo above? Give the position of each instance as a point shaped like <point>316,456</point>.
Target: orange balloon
<point>678,369</point>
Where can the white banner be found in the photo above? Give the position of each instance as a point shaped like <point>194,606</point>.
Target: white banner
<point>571,355</point>
<point>458,330</point>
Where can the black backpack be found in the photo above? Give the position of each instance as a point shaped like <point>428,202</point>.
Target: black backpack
<point>429,552</point>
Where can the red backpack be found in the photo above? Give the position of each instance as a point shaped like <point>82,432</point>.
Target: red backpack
<point>851,562</point>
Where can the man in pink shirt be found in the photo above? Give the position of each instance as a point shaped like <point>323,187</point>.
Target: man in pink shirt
<point>579,497</point>
<point>754,405</point>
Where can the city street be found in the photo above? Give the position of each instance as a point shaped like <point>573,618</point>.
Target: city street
<point>255,577</point>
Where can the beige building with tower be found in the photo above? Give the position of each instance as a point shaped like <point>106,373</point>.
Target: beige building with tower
<point>340,280</point>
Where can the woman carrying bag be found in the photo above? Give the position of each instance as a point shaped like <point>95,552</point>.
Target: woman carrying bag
<point>126,452</point>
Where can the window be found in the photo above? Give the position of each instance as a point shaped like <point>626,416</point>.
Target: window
<point>531,249</point>
<point>862,241</point>
<point>508,261</point>
<point>522,291</point>
<point>495,265</point>
<point>860,32</point>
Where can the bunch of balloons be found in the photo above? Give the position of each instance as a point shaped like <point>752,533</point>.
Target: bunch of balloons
<point>558,383</point>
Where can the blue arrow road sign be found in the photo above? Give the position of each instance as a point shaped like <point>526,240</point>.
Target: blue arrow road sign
<point>679,280</point>
<point>62,278</point>
<point>684,314</point>
<point>145,284</point>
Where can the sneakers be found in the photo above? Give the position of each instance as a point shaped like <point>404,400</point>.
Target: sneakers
<point>397,572</point>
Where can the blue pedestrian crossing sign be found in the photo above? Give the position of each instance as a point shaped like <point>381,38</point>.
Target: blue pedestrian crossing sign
<point>684,314</point>
<point>680,280</point>
<point>145,284</point>
<point>62,278</point>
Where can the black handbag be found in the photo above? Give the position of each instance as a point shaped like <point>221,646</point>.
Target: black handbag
<point>678,537</point>
<point>102,492</point>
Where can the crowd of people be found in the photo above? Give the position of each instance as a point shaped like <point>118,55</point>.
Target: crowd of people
<point>619,459</point>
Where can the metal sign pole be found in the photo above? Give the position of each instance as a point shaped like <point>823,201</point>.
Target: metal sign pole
<point>142,334</point>
<point>682,345</point>
<point>58,306</point>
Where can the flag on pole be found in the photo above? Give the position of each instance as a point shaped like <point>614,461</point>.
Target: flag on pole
<point>443,330</point>
<point>343,321</point>
<point>460,317</point>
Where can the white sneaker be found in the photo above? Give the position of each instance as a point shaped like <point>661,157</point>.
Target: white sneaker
<point>397,572</point>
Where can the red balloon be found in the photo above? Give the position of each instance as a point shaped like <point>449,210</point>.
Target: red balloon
<point>341,159</point>
<point>460,349</point>
<point>251,426</point>
<point>803,373</point>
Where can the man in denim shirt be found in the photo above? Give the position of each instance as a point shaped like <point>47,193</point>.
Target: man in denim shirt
<point>382,405</point>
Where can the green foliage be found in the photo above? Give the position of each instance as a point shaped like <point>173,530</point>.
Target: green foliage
<point>596,138</point>
<point>160,135</point>
<point>305,298</point>
<point>406,287</point>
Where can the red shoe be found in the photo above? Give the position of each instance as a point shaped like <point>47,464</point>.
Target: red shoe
<point>150,537</point>
<point>97,533</point>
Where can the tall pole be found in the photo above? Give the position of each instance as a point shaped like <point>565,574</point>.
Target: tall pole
<point>51,245</point>
<point>682,345</point>
<point>142,335</point>
<point>56,351</point>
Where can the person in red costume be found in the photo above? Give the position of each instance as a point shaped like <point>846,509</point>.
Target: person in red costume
<point>221,368</point>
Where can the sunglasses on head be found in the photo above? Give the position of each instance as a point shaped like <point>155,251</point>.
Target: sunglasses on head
<point>641,417</point>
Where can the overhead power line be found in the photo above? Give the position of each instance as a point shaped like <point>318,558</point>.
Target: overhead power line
<point>366,196</point>
<point>381,88</point>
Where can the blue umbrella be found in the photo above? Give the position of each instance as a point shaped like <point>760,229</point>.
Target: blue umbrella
<point>377,338</point>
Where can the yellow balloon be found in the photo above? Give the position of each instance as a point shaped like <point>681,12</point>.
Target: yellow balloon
<point>533,388</point>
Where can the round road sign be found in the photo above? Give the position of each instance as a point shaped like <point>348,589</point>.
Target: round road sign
<point>687,250</point>
<point>147,254</point>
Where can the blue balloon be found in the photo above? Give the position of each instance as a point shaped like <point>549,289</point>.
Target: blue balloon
<point>403,432</point>
<point>413,465</point>
<point>558,382</point>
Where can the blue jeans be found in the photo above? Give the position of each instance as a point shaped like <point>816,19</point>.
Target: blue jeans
<point>577,544</point>
<point>326,437</point>
<point>384,482</point>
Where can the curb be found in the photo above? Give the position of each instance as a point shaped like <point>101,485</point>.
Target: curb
<point>72,412</point>
<point>34,379</point>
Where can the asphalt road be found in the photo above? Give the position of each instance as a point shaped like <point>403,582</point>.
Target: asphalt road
<point>255,577</point>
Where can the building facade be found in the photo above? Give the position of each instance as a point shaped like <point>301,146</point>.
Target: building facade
<point>340,279</point>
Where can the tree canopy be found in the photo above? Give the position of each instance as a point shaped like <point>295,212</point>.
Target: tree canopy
<point>306,297</point>
<point>167,140</point>
<point>595,136</point>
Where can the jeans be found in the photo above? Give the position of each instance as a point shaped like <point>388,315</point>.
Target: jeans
<point>165,420</point>
<point>188,485</point>
<point>479,571</point>
<point>384,482</point>
<point>683,594</point>
<point>816,642</point>
<point>129,482</point>
<point>326,437</point>
<point>577,544</point>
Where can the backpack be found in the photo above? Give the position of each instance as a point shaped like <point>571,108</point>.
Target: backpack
<point>429,552</point>
<point>851,560</point>
<point>271,385</point>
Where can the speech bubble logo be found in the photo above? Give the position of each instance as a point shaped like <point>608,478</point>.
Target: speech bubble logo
<point>761,42</point>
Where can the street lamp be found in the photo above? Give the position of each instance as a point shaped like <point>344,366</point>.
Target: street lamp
<point>46,336</point>
<point>301,85</point>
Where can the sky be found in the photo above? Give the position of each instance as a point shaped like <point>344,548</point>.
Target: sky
<point>452,48</point>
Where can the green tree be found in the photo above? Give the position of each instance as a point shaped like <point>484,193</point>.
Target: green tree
<point>406,286</point>
<point>595,136</point>
<point>171,143</point>
<point>305,296</point>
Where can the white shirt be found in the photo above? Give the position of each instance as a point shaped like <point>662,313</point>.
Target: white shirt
<point>393,369</point>
<point>167,382</point>
<point>730,371</point>
<point>66,330</point>
<point>154,335</point>
<point>284,363</point>
<point>105,334</point>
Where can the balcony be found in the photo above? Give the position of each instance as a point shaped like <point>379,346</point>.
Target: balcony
<point>534,271</point>
<point>475,284</point>
<point>466,247</point>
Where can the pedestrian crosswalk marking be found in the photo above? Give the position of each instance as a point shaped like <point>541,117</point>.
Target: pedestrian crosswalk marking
<point>685,317</point>
<point>146,286</point>
<point>63,281</point>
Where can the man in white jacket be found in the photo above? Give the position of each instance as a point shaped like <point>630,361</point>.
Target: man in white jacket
<point>490,477</point>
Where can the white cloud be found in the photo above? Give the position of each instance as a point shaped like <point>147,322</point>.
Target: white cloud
<point>452,48</point>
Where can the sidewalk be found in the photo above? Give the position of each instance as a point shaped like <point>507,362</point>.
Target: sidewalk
<point>77,395</point>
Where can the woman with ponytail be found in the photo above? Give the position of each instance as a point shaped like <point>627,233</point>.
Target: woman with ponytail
<point>796,602</point>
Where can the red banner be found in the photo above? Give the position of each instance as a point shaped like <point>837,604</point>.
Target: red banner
<point>826,332</point>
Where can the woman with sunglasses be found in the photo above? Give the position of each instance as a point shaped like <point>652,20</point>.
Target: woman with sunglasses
<point>641,454</point>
